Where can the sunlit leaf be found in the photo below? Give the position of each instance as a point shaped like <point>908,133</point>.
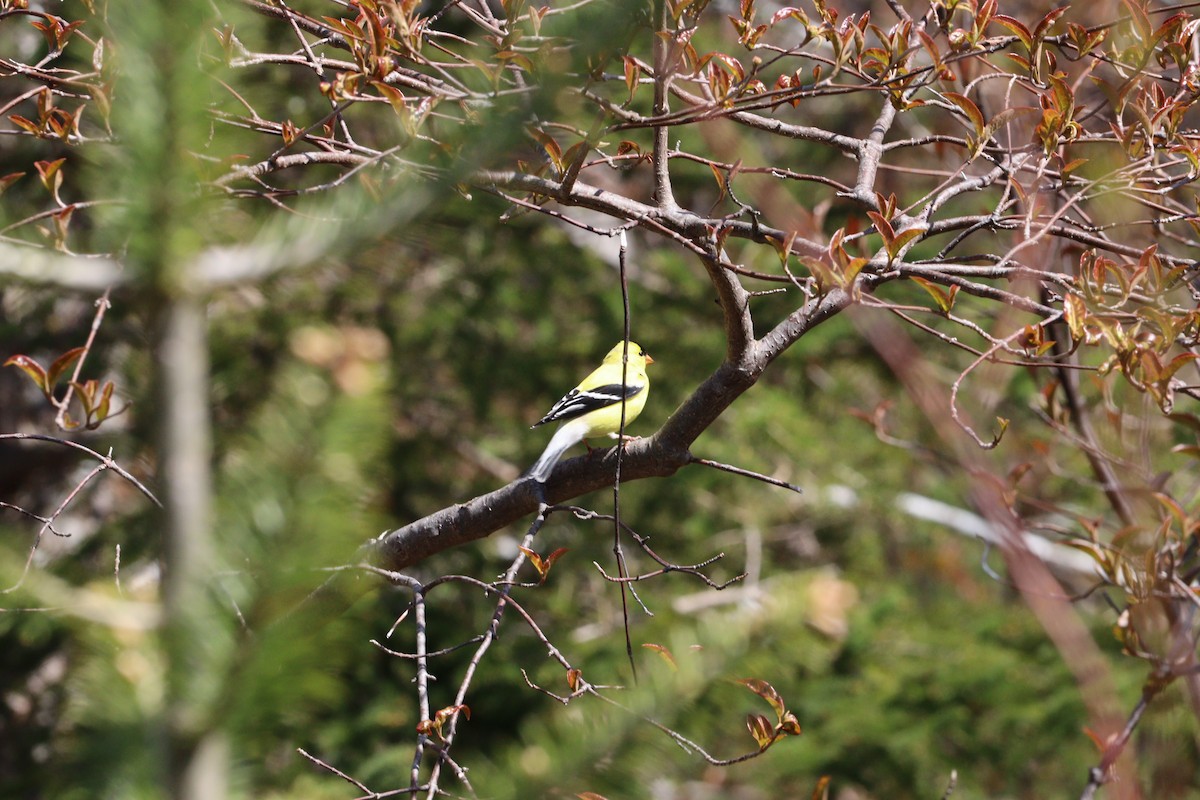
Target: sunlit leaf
<point>767,692</point>
<point>942,296</point>
<point>1076,315</point>
<point>761,729</point>
<point>972,112</point>
<point>1018,29</point>
<point>722,186</point>
<point>51,174</point>
<point>33,369</point>
<point>663,652</point>
<point>633,73</point>
<point>903,238</point>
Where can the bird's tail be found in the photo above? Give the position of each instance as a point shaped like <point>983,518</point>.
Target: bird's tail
<point>563,439</point>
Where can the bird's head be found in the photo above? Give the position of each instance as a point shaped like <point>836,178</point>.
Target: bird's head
<point>636,354</point>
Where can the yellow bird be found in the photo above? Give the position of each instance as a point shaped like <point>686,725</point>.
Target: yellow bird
<point>593,408</point>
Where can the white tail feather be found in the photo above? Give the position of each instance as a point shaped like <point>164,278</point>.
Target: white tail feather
<point>566,437</point>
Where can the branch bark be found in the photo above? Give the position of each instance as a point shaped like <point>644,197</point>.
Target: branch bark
<point>661,455</point>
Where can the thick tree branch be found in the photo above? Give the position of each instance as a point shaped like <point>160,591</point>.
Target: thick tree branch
<point>680,221</point>
<point>661,455</point>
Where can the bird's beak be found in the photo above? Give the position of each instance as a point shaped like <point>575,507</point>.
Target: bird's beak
<point>649,359</point>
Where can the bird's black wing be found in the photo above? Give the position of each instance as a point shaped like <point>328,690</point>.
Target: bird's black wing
<point>576,403</point>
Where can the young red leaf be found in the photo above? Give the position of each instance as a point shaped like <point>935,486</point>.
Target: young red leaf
<point>555,556</point>
<point>850,272</point>
<point>33,369</point>
<point>732,64</point>
<point>722,186</point>
<point>550,145</point>
<point>51,174</point>
<point>633,73</point>
<point>394,96</point>
<point>575,154</point>
<point>61,365</point>
<point>25,124</point>
<point>102,408</point>
<point>1051,17</point>
<point>789,725</point>
<point>8,180</point>
<point>1018,29</point>
<point>767,692</point>
<point>760,728</point>
<point>1076,315</point>
<point>434,726</point>
<point>944,298</point>
<point>86,392</point>
<point>783,248</point>
<point>538,562</point>
<point>1176,364</point>
<point>788,12</point>
<point>972,112</point>
<point>663,652</point>
<point>824,274</point>
<point>1073,165</point>
<point>627,146</point>
<point>883,226</point>
<point>903,238</point>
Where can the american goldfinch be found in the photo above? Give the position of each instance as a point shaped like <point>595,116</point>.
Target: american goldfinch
<point>593,408</point>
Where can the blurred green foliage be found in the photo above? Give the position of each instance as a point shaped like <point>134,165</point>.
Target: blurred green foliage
<point>399,377</point>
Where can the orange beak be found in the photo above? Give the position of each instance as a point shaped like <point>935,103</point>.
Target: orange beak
<point>649,359</point>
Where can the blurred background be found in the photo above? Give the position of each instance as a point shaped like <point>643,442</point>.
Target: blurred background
<point>398,373</point>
